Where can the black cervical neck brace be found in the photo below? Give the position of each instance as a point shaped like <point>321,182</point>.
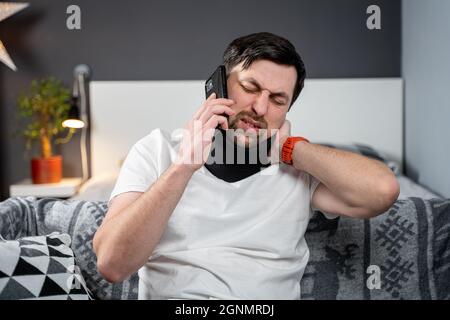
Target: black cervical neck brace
<point>235,171</point>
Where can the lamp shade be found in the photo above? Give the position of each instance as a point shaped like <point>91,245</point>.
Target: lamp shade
<point>73,120</point>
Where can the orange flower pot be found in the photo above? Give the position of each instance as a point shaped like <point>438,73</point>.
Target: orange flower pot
<point>46,170</point>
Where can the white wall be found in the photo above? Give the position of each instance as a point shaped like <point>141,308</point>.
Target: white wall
<point>426,71</point>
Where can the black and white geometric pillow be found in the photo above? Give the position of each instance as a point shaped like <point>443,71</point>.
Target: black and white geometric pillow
<point>41,267</point>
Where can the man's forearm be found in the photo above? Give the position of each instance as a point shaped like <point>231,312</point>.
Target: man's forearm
<point>128,239</point>
<point>355,179</point>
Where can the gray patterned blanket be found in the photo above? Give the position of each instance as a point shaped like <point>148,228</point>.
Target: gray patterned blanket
<point>402,254</point>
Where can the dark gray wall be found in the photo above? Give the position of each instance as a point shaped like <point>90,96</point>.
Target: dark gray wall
<point>426,71</point>
<point>158,40</point>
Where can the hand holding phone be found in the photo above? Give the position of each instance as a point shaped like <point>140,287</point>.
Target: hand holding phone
<point>212,114</point>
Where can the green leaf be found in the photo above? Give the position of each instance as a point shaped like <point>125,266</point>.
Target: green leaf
<point>45,105</point>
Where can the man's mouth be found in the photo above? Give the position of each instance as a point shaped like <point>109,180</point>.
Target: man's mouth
<point>251,124</point>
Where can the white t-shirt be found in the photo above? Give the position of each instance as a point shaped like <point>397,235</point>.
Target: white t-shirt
<point>240,240</point>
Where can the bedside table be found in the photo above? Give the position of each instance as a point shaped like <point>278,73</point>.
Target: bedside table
<point>67,188</point>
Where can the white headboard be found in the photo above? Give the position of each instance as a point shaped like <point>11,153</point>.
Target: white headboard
<point>341,111</point>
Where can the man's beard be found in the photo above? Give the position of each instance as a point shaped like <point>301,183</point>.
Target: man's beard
<point>226,149</point>
<point>253,131</point>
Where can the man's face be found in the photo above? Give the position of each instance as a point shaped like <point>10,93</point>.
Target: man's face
<point>263,93</point>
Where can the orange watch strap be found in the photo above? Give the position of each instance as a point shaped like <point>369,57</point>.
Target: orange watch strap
<point>288,148</point>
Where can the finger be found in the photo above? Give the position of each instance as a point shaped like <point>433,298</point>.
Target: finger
<point>210,102</point>
<point>288,125</point>
<point>217,109</point>
<point>199,111</point>
<point>276,140</point>
<point>224,101</point>
<point>275,148</point>
<point>216,120</point>
<point>285,129</point>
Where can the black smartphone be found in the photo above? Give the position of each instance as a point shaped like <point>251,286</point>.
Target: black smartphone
<point>217,83</point>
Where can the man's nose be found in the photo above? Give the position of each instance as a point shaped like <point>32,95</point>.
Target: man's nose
<point>261,103</point>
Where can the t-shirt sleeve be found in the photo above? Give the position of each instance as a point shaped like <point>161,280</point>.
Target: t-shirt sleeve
<point>313,184</point>
<point>139,170</point>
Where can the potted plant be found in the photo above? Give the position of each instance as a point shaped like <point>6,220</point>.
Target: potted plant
<point>44,108</point>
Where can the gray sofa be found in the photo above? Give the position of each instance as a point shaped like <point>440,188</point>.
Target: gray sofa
<point>402,254</point>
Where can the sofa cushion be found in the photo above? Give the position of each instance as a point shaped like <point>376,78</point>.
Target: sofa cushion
<point>40,267</point>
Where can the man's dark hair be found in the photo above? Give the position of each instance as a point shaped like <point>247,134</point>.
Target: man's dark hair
<point>265,46</point>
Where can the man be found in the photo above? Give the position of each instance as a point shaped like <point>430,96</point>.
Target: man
<point>200,230</point>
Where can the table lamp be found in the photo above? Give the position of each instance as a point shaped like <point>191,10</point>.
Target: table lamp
<point>78,117</point>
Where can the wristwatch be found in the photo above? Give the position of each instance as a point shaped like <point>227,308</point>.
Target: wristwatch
<point>288,148</point>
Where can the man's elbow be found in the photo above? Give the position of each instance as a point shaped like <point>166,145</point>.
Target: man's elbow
<point>390,192</point>
<point>386,196</point>
<point>109,272</point>
<point>106,266</point>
